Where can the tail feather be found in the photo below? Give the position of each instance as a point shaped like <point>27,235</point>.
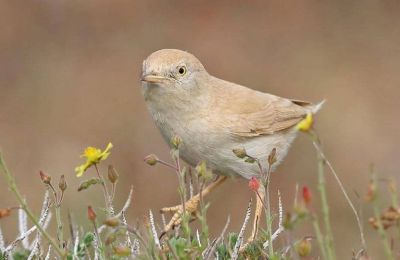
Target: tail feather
<point>316,107</point>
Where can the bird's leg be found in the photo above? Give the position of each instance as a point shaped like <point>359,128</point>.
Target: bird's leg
<point>190,205</point>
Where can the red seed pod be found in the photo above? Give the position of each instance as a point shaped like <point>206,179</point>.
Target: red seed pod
<point>254,184</point>
<point>307,196</point>
<point>5,213</point>
<point>91,214</point>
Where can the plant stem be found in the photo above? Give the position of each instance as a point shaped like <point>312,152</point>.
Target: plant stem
<point>320,238</point>
<point>268,214</point>
<point>60,235</point>
<point>57,205</point>
<point>324,160</point>
<point>382,233</point>
<point>105,192</point>
<point>381,230</point>
<point>12,185</point>
<point>166,164</point>
<point>99,243</point>
<point>325,206</point>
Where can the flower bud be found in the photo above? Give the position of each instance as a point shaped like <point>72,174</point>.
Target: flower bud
<point>176,141</point>
<point>46,179</point>
<point>202,171</point>
<point>307,196</point>
<point>272,157</point>
<point>123,251</point>
<point>371,191</point>
<point>151,159</point>
<point>91,214</point>
<point>254,184</point>
<point>5,213</point>
<point>112,174</point>
<point>112,222</point>
<point>303,247</point>
<point>240,152</point>
<point>62,184</point>
<point>373,222</point>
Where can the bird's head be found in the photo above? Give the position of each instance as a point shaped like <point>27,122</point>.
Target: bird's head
<point>171,71</point>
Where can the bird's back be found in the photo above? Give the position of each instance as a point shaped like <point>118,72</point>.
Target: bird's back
<point>244,118</point>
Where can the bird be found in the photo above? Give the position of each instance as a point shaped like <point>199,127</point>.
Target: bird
<point>214,118</point>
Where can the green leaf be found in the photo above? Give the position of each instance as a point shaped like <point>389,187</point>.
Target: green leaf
<point>86,184</point>
<point>88,239</point>
<point>21,254</point>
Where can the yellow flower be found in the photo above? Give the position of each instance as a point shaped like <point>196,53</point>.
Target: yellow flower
<point>305,124</point>
<point>93,155</point>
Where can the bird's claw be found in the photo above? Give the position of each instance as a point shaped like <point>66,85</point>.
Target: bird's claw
<point>177,217</point>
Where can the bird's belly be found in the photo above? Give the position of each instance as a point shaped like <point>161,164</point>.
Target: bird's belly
<point>215,148</point>
<point>221,159</point>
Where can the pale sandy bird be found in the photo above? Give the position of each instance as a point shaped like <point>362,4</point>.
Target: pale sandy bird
<point>213,116</point>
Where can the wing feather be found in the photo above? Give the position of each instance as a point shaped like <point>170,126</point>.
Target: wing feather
<point>249,113</point>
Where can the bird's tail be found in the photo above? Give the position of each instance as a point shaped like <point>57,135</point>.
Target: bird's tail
<point>315,108</point>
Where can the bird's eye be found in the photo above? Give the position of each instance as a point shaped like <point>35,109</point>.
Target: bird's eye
<point>182,70</point>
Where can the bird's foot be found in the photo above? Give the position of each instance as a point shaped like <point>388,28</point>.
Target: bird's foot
<point>190,208</point>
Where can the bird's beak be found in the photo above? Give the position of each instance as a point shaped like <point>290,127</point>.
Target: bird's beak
<point>150,78</point>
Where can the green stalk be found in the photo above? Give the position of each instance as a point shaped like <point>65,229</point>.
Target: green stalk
<point>57,209</point>
<point>382,233</point>
<point>60,234</point>
<point>322,161</point>
<point>320,238</point>
<point>13,187</point>
<point>269,218</point>
<point>381,230</point>
<point>106,194</point>
<point>325,208</point>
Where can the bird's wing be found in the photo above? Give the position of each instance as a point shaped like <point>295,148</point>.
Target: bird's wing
<point>248,113</point>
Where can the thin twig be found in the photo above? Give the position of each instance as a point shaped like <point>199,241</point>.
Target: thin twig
<point>23,227</point>
<point>280,224</point>
<point>153,230</point>
<point>239,240</point>
<point>210,252</point>
<point>2,243</point>
<point>318,148</point>
<point>110,210</point>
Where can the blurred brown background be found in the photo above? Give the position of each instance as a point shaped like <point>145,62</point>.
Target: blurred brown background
<point>69,78</point>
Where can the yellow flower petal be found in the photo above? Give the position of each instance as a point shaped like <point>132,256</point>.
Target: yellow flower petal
<point>80,170</point>
<point>93,155</point>
<point>108,148</point>
<point>305,124</point>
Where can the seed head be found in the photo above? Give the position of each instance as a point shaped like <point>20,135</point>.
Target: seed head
<point>112,222</point>
<point>62,184</point>
<point>303,247</point>
<point>240,152</point>
<point>176,141</point>
<point>46,179</point>
<point>112,174</point>
<point>151,159</point>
